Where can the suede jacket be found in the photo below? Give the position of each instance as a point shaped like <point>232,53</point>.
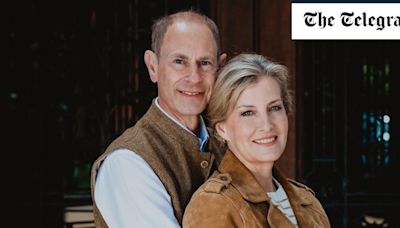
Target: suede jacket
<point>233,198</point>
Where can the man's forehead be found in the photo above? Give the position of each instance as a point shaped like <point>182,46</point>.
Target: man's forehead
<point>181,25</point>
<point>179,39</point>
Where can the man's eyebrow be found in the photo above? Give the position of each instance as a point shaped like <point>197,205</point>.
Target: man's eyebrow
<point>185,57</point>
<point>207,57</point>
<point>178,55</point>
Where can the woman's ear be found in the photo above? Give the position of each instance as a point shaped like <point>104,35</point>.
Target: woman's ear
<point>221,130</point>
<point>150,59</point>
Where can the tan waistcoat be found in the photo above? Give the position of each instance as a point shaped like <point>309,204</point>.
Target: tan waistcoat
<point>171,151</point>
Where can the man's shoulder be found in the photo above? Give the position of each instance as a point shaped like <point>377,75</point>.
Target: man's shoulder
<point>132,134</point>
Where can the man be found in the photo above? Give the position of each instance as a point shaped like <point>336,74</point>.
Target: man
<point>147,175</point>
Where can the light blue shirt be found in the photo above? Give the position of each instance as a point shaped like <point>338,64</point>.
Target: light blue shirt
<point>129,194</point>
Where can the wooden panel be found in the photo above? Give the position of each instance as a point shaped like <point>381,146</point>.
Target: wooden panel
<point>235,21</point>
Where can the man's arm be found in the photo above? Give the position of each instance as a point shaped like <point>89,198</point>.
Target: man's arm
<point>129,194</point>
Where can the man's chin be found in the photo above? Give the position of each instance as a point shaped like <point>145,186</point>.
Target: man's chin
<point>192,110</point>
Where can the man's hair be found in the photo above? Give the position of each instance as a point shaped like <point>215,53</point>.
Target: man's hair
<point>161,25</point>
<point>240,72</point>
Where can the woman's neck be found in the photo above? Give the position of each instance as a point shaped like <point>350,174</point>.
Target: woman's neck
<point>263,176</point>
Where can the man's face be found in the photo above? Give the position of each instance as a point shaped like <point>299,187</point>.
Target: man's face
<point>186,71</point>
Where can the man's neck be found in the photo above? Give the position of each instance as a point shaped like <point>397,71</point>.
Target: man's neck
<point>191,122</point>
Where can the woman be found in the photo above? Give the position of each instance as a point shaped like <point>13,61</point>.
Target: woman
<point>248,109</point>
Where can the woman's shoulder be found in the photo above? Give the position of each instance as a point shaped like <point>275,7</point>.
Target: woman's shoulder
<point>217,183</point>
<point>214,199</point>
<point>219,187</point>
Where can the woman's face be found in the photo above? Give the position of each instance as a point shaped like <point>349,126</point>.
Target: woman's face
<point>256,128</point>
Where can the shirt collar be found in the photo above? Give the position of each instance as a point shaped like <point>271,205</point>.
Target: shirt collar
<point>202,133</point>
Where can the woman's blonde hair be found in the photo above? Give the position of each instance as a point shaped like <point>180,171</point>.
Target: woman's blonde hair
<point>240,72</point>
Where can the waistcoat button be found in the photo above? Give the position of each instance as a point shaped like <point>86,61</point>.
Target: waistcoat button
<point>204,164</point>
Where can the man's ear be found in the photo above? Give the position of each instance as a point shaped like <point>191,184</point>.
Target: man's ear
<point>222,59</point>
<point>221,130</point>
<point>150,59</point>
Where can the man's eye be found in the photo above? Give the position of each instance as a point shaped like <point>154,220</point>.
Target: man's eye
<point>178,61</point>
<point>247,113</point>
<point>204,62</point>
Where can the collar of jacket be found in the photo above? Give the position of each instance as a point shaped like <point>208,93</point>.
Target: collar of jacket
<point>247,185</point>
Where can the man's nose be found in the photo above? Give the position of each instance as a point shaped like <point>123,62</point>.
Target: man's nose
<point>194,73</point>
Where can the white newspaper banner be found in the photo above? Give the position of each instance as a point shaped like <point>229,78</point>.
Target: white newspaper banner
<point>345,21</point>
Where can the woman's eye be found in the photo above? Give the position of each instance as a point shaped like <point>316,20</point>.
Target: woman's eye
<point>276,108</point>
<point>247,113</point>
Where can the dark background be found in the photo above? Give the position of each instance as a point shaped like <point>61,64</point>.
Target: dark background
<point>74,79</point>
